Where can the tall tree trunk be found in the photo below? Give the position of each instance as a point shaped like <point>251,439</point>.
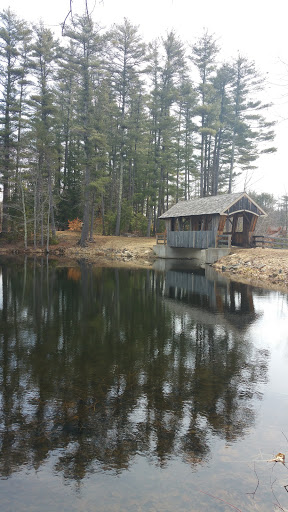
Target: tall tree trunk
<point>48,230</point>
<point>119,198</point>
<point>150,212</point>
<point>51,205</point>
<point>35,216</point>
<point>231,165</point>
<point>24,212</point>
<point>103,214</point>
<point>92,217</point>
<point>86,213</point>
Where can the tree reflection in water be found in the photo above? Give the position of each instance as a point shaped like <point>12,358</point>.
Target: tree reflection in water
<point>103,364</point>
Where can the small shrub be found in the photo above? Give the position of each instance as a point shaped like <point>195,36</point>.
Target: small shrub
<point>53,241</point>
<point>75,224</point>
<point>139,224</point>
<point>110,222</point>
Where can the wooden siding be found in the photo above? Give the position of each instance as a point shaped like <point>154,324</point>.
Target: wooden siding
<point>244,204</point>
<point>191,239</point>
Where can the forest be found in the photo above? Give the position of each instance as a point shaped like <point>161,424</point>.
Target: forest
<point>102,129</point>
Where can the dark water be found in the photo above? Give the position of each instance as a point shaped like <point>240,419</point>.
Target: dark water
<point>138,390</point>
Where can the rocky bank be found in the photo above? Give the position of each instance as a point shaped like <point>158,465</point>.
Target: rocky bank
<point>260,267</point>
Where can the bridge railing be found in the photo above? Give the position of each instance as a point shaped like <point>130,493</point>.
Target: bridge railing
<point>223,241</point>
<point>161,238</point>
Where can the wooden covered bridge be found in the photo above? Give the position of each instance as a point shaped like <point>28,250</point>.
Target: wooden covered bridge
<point>210,223</point>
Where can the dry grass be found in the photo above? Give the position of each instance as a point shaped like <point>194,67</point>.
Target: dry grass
<point>105,250</point>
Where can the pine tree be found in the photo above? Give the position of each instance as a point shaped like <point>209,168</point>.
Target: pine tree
<point>222,84</point>
<point>204,53</point>
<point>165,74</point>
<point>126,56</point>
<point>88,45</point>
<point>187,176</point>
<point>45,54</point>
<point>103,126</point>
<point>248,127</point>
<point>13,37</point>
<point>69,171</point>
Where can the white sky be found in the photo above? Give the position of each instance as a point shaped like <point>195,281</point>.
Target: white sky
<point>255,28</point>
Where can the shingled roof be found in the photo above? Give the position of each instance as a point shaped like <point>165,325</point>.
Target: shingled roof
<point>212,205</point>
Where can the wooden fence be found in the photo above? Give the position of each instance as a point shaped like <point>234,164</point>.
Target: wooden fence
<point>270,241</point>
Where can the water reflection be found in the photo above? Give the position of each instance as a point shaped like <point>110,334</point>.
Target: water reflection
<point>98,365</point>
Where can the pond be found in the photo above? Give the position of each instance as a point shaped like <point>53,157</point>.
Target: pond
<point>140,390</point>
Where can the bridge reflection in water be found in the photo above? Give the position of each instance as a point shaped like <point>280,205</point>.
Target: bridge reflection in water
<point>231,301</point>
<point>104,367</point>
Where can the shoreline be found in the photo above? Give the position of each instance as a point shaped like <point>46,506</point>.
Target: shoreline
<point>102,250</point>
<point>264,268</point>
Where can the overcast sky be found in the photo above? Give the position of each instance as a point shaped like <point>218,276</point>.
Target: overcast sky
<point>256,29</point>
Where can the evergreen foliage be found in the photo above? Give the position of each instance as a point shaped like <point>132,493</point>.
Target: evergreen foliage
<point>101,126</point>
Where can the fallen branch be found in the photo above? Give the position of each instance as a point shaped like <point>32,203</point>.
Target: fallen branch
<point>220,499</point>
<point>253,493</point>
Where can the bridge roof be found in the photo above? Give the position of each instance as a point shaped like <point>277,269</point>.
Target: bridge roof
<point>224,204</point>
